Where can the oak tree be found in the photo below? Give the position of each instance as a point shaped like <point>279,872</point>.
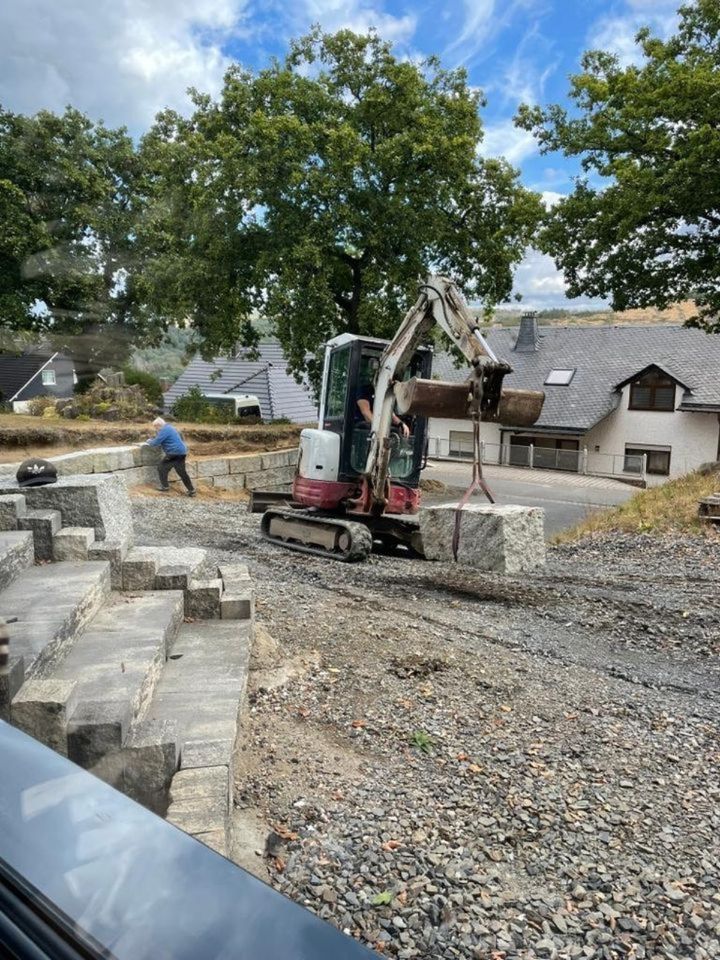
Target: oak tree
<point>68,198</point>
<point>642,225</point>
<point>319,190</point>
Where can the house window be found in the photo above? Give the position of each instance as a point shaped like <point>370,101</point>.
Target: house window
<point>75,376</point>
<point>654,391</point>
<point>48,378</point>
<point>559,378</point>
<point>658,461</point>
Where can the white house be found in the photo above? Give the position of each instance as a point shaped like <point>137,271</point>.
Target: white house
<point>622,401</point>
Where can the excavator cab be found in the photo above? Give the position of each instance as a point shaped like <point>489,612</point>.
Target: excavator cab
<point>351,367</point>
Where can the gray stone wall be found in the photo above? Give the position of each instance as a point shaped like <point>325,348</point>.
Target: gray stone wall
<point>137,464</point>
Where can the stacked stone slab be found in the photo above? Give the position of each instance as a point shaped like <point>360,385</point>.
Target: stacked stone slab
<point>137,464</point>
<point>16,554</point>
<point>47,606</point>
<point>130,660</point>
<point>98,501</point>
<point>200,692</point>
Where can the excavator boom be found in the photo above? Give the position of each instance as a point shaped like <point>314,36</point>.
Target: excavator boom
<point>481,396</point>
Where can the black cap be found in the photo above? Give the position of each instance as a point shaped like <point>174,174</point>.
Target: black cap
<point>36,473</point>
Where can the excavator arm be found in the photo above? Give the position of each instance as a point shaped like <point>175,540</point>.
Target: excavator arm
<point>481,396</point>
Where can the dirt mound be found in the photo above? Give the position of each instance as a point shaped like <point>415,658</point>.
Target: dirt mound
<point>203,492</point>
<point>33,436</point>
<point>432,486</point>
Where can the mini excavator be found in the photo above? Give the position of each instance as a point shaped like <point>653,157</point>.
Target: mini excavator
<point>358,482</point>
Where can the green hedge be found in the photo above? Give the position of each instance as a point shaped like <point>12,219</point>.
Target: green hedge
<point>151,386</point>
<point>192,407</point>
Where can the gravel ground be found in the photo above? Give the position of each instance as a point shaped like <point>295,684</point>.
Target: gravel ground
<point>489,767</point>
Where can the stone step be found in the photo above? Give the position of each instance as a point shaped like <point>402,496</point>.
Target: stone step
<point>113,551</point>
<point>100,501</point>
<point>118,662</point>
<point>160,568</point>
<point>17,553</point>
<point>200,691</point>
<point>43,524</point>
<point>51,604</point>
<point>13,506</point>
<point>84,705</point>
<point>73,543</point>
<point>237,601</point>
<point>203,599</point>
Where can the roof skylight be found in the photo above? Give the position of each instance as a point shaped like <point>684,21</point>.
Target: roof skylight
<point>559,378</point>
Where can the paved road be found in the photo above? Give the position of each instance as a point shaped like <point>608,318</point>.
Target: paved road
<point>566,498</point>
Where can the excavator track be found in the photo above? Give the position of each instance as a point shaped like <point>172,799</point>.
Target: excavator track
<point>320,536</point>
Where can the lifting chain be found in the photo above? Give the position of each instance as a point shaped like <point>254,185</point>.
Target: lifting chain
<point>478,481</point>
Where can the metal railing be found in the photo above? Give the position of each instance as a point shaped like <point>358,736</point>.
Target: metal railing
<point>534,457</point>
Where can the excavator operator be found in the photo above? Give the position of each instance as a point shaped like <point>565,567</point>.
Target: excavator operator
<point>366,398</point>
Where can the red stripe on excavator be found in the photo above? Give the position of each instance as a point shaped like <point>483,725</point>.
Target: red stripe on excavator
<point>329,494</point>
<point>323,494</point>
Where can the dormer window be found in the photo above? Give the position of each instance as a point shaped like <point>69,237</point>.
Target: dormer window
<point>653,391</point>
<point>559,378</point>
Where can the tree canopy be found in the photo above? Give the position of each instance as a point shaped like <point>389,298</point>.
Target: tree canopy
<point>68,196</point>
<point>642,225</point>
<point>319,190</point>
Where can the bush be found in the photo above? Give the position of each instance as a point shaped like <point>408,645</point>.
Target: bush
<point>104,402</point>
<point>38,405</point>
<point>193,407</point>
<point>150,385</point>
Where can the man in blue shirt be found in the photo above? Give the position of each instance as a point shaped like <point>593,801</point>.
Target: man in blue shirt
<point>169,439</point>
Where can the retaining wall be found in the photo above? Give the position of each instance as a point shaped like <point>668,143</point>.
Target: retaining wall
<point>137,464</point>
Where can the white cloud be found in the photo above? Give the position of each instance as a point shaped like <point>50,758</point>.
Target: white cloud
<point>551,197</point>
<point>534,61</point>
<point>542,285</point>
<point>483,21</point>
<point>355,15</point>
<point>616,33</point>
<point>522,80</point>
<point>504,139</point>
<point>121,61</point>
<point>477,25</point>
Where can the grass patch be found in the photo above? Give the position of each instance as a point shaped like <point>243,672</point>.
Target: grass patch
<point>670,508</point>
<point>423,741</point>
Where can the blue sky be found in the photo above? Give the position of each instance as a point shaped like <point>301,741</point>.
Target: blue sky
<point>124,60</point>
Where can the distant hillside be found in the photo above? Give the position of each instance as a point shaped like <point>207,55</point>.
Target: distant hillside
<point>170,358</point>
<point>678,313</point>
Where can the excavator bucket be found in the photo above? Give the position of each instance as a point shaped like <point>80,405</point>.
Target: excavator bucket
<point>439,398</point>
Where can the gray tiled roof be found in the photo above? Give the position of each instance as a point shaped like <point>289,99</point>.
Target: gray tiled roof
<point>602,357</point>
<point>17,369</point>
<point>279,394</point>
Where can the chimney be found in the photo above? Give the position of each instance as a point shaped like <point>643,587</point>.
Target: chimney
<point>528,338</point>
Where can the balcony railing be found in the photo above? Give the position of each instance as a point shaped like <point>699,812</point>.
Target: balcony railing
<point>534,457</point>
